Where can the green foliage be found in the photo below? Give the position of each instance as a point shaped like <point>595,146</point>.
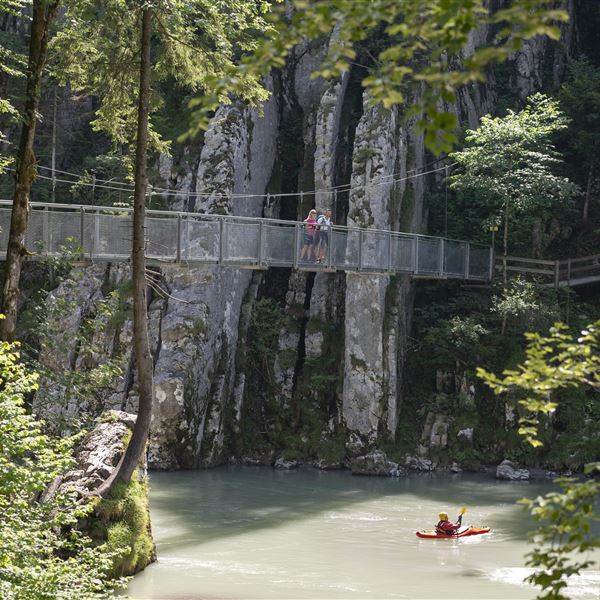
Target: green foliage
<point>42,554</point>
<point>13,64</point>
<point>123,522</point>
<point>522,306</point>
<point>266,323</point>
<point>454,340</point>
<point>69,379</point>
<point>509,162</point>
<point>580,99</point>
<point>554,362</point>
<point>557,364</point>
<point>97,53</point>
<point>422,48</point>
<point>565,541</point>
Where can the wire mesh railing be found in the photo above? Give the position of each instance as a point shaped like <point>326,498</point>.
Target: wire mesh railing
<point>104,234</point>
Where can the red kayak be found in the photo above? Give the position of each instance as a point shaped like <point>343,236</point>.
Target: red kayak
<point>433,535</point>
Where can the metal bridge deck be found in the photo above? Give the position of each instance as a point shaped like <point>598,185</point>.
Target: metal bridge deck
<point>100,233</point>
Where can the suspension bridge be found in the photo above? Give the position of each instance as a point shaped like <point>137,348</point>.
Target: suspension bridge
<point>98,233</point>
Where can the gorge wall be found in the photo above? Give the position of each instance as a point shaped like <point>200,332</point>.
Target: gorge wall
<point>263,364</point>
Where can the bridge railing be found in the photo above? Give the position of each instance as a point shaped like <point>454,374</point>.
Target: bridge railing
<point>104,234</point>
<point>569,272</point>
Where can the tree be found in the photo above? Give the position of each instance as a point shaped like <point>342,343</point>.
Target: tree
<point>423,50</point>
<point>97,53</point>
<point>12,64</point>
<point>42,554</point>
<point>559,361</point>
<point>108,70</point>
<point>44,12</point>
<point>580,99</point>
<point>523,304</point>
<point>141,342</point>
<point>509,163</point>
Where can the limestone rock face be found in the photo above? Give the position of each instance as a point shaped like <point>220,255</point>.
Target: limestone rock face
<point>364,388</point>
<point>349,327</point>
<point>509,471</point>
<point>195,371</point>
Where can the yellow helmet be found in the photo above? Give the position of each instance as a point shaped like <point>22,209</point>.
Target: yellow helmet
<point>443,516</point>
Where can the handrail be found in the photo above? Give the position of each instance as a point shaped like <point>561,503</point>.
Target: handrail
<point>565,272</point>
<point>215,217</point>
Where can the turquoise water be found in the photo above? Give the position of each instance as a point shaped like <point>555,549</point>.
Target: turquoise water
<point>246,533</point>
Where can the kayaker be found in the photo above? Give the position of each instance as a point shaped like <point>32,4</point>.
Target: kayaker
<point>445,526</point>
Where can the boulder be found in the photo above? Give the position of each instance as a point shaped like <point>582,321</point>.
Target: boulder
<point>327,465</point>
<point>415,463</point>
<point>285,465</point>
<point>466,434</point>
<point>375,463</point>
<point>507,470</point>
<point>397,471</point>
<point>99,452</point>
<point>264,460</point>
<point>455,468</point>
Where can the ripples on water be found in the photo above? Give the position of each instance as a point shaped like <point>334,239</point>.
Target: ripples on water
<point>245,533</point>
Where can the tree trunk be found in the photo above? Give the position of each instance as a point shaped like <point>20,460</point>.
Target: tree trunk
<point>504,264</point>
<point>537,234</point>
<point>43,15</point>
<point>143,358</point>
<point>588,193</point>
<point>505,246</point>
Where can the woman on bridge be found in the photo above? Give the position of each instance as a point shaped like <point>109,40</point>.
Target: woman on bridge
<point>310,229</point>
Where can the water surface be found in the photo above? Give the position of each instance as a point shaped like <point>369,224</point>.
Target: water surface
<point>250,533</point>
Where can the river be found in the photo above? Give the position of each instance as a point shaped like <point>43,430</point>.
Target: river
<point>249,533</point>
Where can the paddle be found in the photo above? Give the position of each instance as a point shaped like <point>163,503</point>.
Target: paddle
<point>463,510</point>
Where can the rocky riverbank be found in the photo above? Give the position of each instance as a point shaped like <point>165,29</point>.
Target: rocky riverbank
<point>377,464</point>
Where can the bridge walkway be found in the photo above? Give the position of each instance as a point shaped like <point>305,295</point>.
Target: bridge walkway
<point>104,234</point>
<point>570,272</point>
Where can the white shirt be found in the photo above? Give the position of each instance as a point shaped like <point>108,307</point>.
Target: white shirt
<point>324,222</point>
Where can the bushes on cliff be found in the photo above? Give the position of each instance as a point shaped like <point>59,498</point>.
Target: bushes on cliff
<point>42,554</point>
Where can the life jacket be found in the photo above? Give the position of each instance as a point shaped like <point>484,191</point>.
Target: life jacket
<point>439,528</point>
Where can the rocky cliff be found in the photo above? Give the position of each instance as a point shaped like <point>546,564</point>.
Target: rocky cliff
<point>327,381</point>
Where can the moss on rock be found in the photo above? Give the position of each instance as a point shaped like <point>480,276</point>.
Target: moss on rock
<point>123,523</point>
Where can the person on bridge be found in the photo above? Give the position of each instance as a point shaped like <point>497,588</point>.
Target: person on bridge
<point>310,230</point>
<point>325,223</point>
<point>446,527</point>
